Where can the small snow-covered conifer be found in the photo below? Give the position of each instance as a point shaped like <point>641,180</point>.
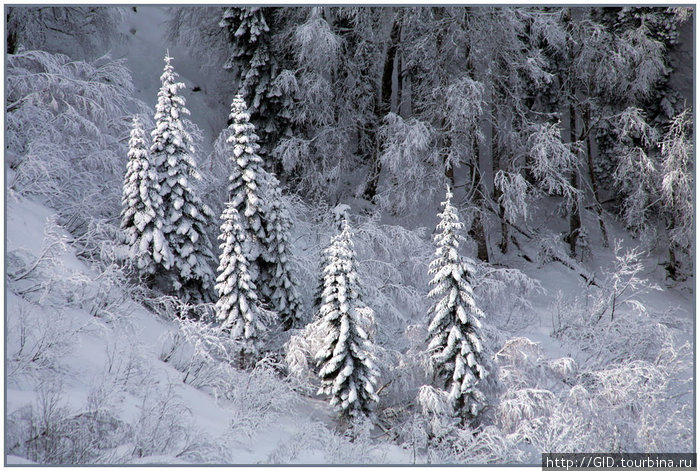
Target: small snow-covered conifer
<point>454,340</point>
<point>256,195</point>
<point>346,370</point>
<point>276,281</point>
<point>185,216</point>
<point>142,219</point>
<point>237,307</point>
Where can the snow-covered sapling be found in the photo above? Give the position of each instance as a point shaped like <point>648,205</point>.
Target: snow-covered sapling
<point>237,307</point>
<point>455,343</point>
<point>346,369</point>
<point>142,217</point>
<point>185,216</point>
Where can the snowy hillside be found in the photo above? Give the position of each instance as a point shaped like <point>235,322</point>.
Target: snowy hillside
<point>85,357</point>
<point>332,235</point>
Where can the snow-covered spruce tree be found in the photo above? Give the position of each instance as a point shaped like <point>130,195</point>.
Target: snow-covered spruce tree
<point>237,307</point>
<point>276,283</point>
<point>142,217</point>
<point>256,195</point>
<point>346,370</point>
<point>185,216</point>
<point>454,338</point>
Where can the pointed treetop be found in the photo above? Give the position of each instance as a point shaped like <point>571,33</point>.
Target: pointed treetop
<point>239,109</point>
<point>448,195</point>
<point>340,215</point>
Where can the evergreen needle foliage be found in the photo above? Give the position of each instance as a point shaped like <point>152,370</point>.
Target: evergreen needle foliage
<point>237,306</point>
<point>256,195</point>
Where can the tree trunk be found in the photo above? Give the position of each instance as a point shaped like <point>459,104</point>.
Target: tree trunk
<point>11,32</point>
<point>383,107</point>
<point>575,209</point>
<point>477,231</point>
<point>497,193</point>
<point>591,175</point>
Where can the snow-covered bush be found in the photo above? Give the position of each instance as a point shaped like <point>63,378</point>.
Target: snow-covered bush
<point>197,348</point>
<point>85,31</point>
<point>506,294</point>
<point>256,398</point>
<point>48,432</point>
<point>604,319</point>
<point>65,123</point>
<point>29,274</point>
<point>38,340</point>
<point>164,427</point>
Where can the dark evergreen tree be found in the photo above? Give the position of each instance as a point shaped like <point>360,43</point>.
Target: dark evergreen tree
<point>252,56</point>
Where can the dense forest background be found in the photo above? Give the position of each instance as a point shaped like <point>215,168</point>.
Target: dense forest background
<point>564,134</point>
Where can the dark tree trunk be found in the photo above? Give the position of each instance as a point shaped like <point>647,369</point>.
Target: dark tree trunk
<point>477,231</point>
<point>575,209</point>
<point>591,174</point>
<point>11,38</point>
<point>382,108</point>
<point>497,193</point>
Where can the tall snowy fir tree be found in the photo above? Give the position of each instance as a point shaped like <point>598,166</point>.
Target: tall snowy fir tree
<point>346,369</point>
<point>454,340</point>
<point>256,195</point>
<point>141,218</point>
<point>185,216</point>
<point>237,307</point>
